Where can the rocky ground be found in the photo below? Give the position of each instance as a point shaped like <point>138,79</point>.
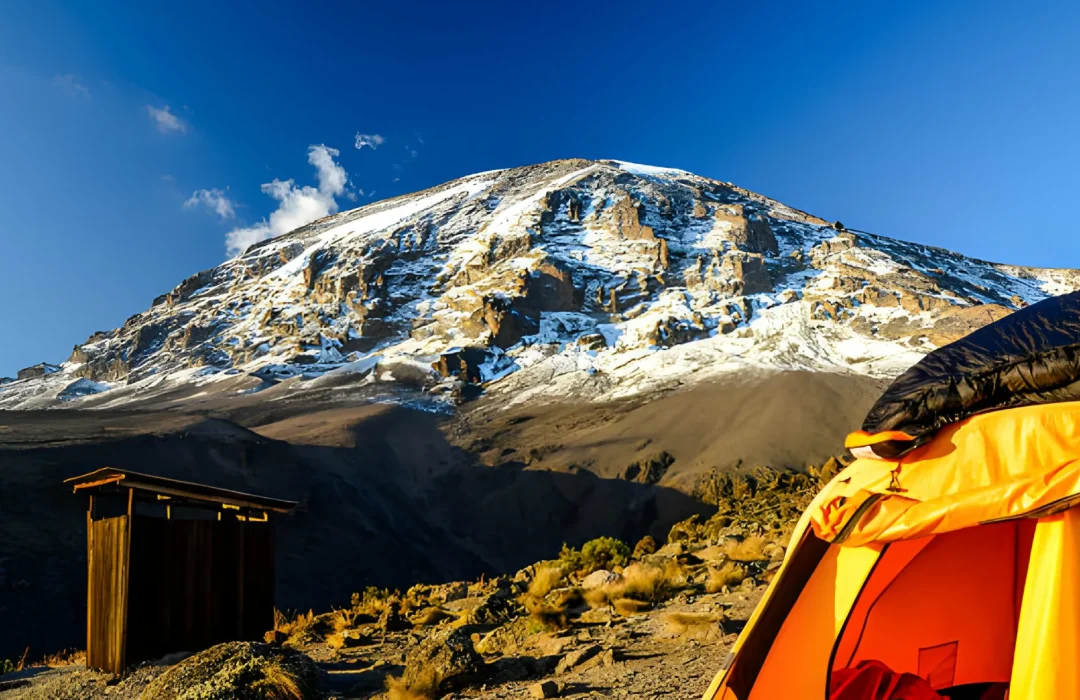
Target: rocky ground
<point>606,620</point>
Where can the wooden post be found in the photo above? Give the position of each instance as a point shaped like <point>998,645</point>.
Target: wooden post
<point>127,577</point>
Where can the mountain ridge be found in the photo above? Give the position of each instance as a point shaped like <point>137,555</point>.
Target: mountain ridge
<point>596,273</point>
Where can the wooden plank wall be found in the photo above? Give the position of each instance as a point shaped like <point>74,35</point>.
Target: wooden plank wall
<point>107,551</point>
<point>196,583</point>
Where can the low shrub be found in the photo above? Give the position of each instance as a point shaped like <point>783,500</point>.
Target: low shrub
<point>729,574</point>
<point>546,579</point>
<point>600,553</point>
<point>425,687</point>
<point>749,550</point>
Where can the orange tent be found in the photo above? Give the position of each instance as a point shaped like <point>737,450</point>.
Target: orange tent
<point>957,562</point>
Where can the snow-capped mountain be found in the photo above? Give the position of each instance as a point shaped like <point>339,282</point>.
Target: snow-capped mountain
<point>592,278</point>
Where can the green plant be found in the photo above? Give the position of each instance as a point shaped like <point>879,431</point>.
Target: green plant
<point>6,666</point>
<point>604,553</point>
<point>601,553</point>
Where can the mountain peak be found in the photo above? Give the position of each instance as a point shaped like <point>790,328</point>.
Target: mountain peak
<point>598,278</point>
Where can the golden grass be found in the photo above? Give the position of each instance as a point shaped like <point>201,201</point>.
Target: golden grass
<point>599,597</point>
<point>729,574</point>
<point>643,582</point>
<point>750,549</point>
<point>432,615</point>
<point>693,625</point>
<point>278,683</point>
<point>426,687</point>
<point>372,601</point>
<point>293,625</point>
<point>546,580</point>
<point>346,619</point>
<point>640,581</point>
<point>628,606</point>
<point>567,598</point>
<point>63,658</point>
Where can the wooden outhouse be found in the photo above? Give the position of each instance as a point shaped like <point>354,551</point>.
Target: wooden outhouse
<point>173,566</point>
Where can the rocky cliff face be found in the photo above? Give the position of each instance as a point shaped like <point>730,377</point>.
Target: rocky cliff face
<point>598,278</point>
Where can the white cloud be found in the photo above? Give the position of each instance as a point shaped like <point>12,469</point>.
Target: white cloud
<point>165,121</point>
<point>297,206</point>
<point>214,200</point>
<point>373,140</point>
<point>70,84</point>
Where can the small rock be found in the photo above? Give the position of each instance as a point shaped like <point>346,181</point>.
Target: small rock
<point>547,689</point>
<point>605,659</point>
<point>576,658</point>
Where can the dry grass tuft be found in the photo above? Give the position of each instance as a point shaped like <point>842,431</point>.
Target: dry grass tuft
<point>643,582</point>
<point>694,625</point>
<point>426,687</point>
<point>546,580</point>
<point>278,683</point>
<point>640,581</point>
<point>63,658</point>
<point>628,606</point>
<point>750,549</point>
<point>544,616</point>
<point>346,619</point>
<point>432,615</point>
<point>729,574</point>
<point>372,601</point>
<point>599,597</point>
<point>294,625</point>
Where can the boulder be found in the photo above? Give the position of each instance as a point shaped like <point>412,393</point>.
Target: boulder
<point>238,671</point>
<point>600,577</point>
<point>449,655</point>
<point>495,609</point>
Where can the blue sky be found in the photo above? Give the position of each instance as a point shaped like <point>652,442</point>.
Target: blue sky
<point>951,123</point>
